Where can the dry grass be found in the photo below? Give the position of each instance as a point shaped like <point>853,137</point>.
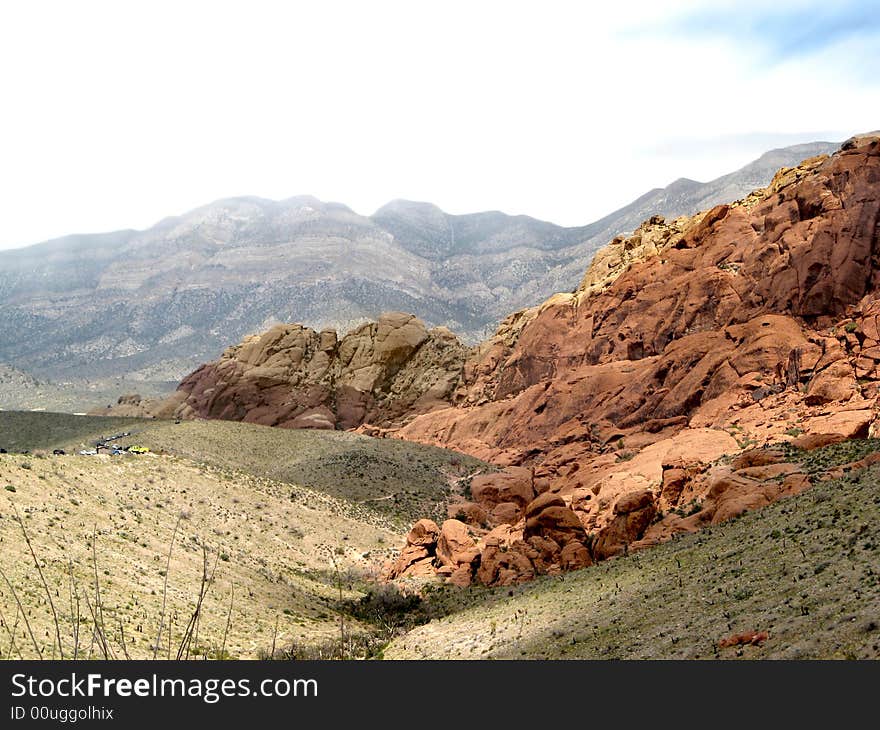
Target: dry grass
<point>402,480</point>
<point>101,529</point>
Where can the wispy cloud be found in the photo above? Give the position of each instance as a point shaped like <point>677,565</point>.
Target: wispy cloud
<point>785,31</point>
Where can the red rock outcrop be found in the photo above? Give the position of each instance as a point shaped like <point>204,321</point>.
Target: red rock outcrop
<point>418,556</point>
<point>749,324</point>
<point>755,638</point>
<point>632,514</point>
<point>448,550</point>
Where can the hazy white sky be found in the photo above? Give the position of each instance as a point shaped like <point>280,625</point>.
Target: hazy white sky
<point>117,114</point>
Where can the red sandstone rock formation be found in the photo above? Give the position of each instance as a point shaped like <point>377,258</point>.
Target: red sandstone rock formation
<point>756,638</point>
<point>746,325</point>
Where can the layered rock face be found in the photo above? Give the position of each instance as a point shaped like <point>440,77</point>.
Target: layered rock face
<point>749,324</point>
<point>294,377</point>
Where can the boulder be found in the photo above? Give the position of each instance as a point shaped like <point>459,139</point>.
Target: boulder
<point>424,533</point>
<point>733,492</point>
<point>811,441</point>
<point>505,565</point>
<point>470,513</point>
<point>514,485</point>
<point>633,513</point>
<point>837,382</point>
<point>542,502</point>
<point>414,560</point>
<point>462,576</point>
<point>556,522</point>
<point>455,546</point>
<point>757,457</point>
<point>506,513</point>
<point>634,501</point>
<point>849,424</point>
<point>574,556</point>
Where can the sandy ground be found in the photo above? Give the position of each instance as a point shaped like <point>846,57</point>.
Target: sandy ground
<point>273,544</point>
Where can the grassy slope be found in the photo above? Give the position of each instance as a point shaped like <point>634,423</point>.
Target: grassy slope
<point>402,480</point>
<point>27,431</point>
<point>244,492</point>
<point>270,540</point>
<point>806,569</point>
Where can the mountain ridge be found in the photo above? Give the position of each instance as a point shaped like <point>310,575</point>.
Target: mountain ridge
<point>153,304</point>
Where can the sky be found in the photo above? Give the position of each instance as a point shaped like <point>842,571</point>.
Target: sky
<point>115,115</point>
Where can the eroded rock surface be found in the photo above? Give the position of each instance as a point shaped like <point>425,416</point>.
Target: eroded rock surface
<point>746,325</point>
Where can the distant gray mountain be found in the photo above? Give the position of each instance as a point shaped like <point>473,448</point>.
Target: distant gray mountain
<point>685,197</point>
<point>153,304</point>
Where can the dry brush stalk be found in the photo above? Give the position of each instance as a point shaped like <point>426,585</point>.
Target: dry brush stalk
<point>27,540</point>
<point>228,623</point>
<point>11,632</point>
<point>23,613</point>
<point>192,627</point>
<point>165,589</point>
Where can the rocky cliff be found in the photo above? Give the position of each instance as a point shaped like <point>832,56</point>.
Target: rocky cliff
<point>294,377</point>
<point>707,337</point>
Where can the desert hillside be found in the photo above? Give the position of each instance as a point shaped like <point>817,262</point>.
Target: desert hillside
<point>285,560</point>
<point>796,580</point>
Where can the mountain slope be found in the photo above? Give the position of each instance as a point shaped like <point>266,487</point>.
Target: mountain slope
<point>686,197</point>
<point>152,304</point>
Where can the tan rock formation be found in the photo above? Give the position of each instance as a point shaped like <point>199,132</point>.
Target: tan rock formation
<point>294,377</point>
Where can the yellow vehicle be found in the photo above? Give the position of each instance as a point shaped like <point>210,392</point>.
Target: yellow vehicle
<point>138,450</point>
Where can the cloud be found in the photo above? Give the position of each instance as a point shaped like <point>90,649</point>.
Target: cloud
<point>784,31</point>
